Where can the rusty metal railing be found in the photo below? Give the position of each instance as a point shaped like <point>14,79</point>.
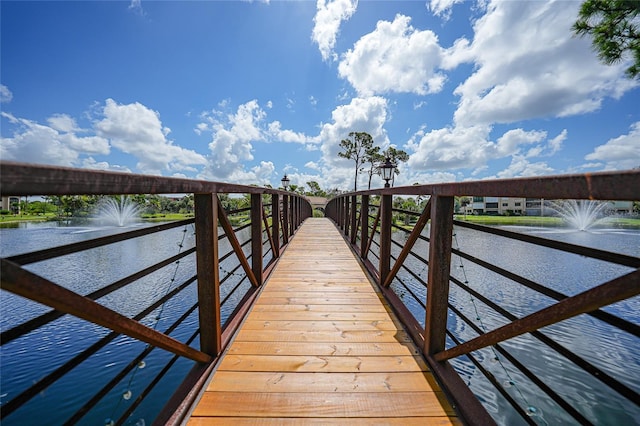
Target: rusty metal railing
<point>423,275</point>
<point>225,282</point>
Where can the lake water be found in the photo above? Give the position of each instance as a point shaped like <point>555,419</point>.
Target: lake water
<point>611,350</point>
<point>30,358</point>
<point>26,360</point>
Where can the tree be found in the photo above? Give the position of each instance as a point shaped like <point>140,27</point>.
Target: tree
<point>396,156</point>
<point>613,24</point>
<point>355,148</point>
<point>315,190</point>
<point>373,158</point>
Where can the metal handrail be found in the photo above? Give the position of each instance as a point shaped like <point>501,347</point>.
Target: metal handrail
<point>440,345</point>
<point>214,331</point>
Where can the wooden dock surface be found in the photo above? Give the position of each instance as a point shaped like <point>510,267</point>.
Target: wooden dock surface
<point>320,346</point>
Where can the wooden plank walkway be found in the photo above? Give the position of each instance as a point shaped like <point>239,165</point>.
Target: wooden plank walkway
<point>320,346</point>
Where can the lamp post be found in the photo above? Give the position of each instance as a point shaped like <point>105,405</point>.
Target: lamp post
<point>285,182</point>
<point>387,169</point>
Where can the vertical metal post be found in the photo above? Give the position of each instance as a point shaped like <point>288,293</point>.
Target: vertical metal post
<point>364,226</point>
<point>285,219</point>
<point>293,214</point>
<point>345,216</point>
<point>206,223</point>
<point>256,236</point>
<point>275,224</point>
<point>354,217</point>
<point>438,276</point>
<point>292,224</point>
<point>386,214</point>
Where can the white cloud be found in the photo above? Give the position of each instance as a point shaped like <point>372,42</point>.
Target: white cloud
<point>327,22</point>
<point>620,153</point>
<point>231,143</point>
<point>530,65</point>
<point>290,104</point>
<point>5,94</point>
<point>137,130</point>
<point>395,57</point>
<point>418,105</point>
<point>233,136</point>
<point>471,147</point>
<point>442,8</point>
<point>284,135</point>
<point>200,128</point>
<point>91,163</point>
<point>521,167</point>
<point>63,123</point>
<point>36,143</point>
<point>510,142</point>
<point>360,115</point>
<point>258,175</point>
<point>555,144</point>
<point>312,165</point>
<point>450,148</point>
<point>136,6</point>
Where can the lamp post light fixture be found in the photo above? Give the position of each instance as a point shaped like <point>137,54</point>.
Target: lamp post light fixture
<point>387,169</point>
<point>285,182</point>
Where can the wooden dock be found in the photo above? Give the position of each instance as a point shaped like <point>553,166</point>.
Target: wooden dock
<point>321,346</point>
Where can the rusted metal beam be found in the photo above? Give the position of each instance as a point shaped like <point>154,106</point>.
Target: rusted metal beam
<point>275,224</point>
<point>207,210</point>
<point>256,237</point>
<point>176,410</point>
<point>347,216</point>
<point>386,208</point>
<point>237,248</point>
<point>40,255</point>
<point>354,216</point>
<point>605,294</point>
<point>34,323</point>
<point>27,284</point>
<point>364,225</point>
<point>607,256</point>
<point>408,245</point>
<point>285,219</point>
<point>438,274</point>
<point>31,179</point>
<point>265,222</point>
<point>134,363</point>
<point>373,232</point>
<point>618,185</point>
<point>463,400</point>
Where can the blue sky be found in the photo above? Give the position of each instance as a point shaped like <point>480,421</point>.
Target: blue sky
<point>248,91</point>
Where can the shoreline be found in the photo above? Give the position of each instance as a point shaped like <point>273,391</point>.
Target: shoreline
<point>534,221</point>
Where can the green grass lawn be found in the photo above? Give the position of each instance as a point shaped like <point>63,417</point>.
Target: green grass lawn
<point>10,218</point>
<point>614,222</point>
<point>611,222</point>
<point>511,220</point>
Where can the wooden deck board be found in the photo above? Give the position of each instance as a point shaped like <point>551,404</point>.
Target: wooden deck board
<point>320,346</point>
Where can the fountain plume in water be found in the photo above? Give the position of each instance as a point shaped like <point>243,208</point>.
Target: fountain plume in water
<point>118,211</point>
<point>580,214</point>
